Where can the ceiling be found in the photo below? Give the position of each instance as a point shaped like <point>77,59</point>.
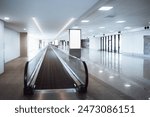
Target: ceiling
<point>52,15</point>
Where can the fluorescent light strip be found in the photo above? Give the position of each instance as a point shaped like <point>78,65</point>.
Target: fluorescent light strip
<point>64,27</point>
<point>121,21</point>
<point>85,21</point>
<point>105,8</point>
<point>37,24</point>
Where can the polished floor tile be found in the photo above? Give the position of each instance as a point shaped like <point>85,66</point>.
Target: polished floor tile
<point>128,74</point>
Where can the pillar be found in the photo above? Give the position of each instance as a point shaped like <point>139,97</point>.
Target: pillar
<point>23,44</point>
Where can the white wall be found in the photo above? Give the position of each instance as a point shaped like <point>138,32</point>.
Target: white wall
<point>133,42</point>
<point>94,43</point>
<point>12,44</point>
<point>1,47</point>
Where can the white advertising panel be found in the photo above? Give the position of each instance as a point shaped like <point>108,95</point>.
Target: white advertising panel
<point>75,39</point>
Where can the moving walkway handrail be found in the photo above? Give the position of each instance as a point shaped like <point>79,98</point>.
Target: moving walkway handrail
<point>85,68</point>
<point>29,80</point>
<point>86,74</point>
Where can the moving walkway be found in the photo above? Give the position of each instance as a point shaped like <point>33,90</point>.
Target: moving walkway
<point>53,69</point>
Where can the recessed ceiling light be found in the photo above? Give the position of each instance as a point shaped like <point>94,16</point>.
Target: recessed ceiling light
<point>101,27</point>
<point>127,28</point>
<point>6,18</point>
<point>127,85</point>
<point>121,21</point>
<point>85,21</point>
<point>105,8</point>
<point>24,29</point>
<point>149,98</point>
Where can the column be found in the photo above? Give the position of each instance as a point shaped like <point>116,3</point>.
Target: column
<point>23,44</point>
<point>108,43</point>
<point>118,43</point>
<point>111,42</point>
<point>105,43</point>
<point>115,43</point>
<point>101,44</point>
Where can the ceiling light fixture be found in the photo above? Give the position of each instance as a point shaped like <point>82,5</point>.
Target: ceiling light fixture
<point>24,29</point>
<point>85,21</point>
<point>121,21</point>
<point>37,24</point>
<point>64,27</point>
<point>127,85</point>
<point>111,77</point>
<point>105,8</point>
<point>6,18</point>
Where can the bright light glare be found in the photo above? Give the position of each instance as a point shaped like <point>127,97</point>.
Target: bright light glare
<point>105,8</point>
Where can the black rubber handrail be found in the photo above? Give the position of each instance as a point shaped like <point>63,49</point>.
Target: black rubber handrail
<point>86,74</point>
<point>25,74</point>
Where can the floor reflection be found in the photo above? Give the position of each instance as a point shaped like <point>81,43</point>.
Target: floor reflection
<point>129,74</point>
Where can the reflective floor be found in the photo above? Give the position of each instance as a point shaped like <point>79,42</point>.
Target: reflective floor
<point>128,74</point>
